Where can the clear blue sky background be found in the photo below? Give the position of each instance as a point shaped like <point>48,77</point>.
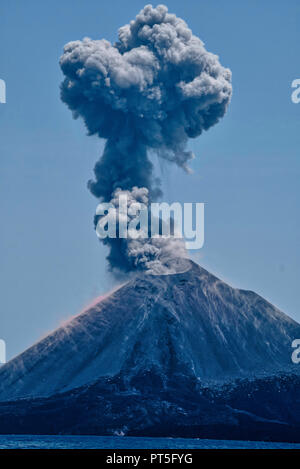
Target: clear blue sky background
<point>247,168</point>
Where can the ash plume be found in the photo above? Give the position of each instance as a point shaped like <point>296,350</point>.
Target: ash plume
<point>152,90</point>
<point>155,255</point>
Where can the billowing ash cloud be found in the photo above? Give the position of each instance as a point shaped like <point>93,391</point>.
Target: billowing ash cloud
<point>152,90</point>
<point>154,255</point>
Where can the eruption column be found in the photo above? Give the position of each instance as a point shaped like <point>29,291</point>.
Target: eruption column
<point>153,89</point>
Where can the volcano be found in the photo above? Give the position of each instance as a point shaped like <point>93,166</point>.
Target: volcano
<point>189,325</point>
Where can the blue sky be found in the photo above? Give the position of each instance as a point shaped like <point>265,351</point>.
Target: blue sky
<point>246,169</point>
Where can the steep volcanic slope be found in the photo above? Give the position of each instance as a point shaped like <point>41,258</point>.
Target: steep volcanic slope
<point>190,323</point>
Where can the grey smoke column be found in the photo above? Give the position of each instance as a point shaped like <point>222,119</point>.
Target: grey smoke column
<point>152,90</point>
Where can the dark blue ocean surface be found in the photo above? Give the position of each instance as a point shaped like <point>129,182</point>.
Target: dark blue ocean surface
<point>114,442</point>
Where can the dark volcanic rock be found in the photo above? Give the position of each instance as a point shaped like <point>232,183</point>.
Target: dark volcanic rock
<point>262,409</point>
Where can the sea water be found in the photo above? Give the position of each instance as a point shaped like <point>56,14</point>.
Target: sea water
<point>114,442</point>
